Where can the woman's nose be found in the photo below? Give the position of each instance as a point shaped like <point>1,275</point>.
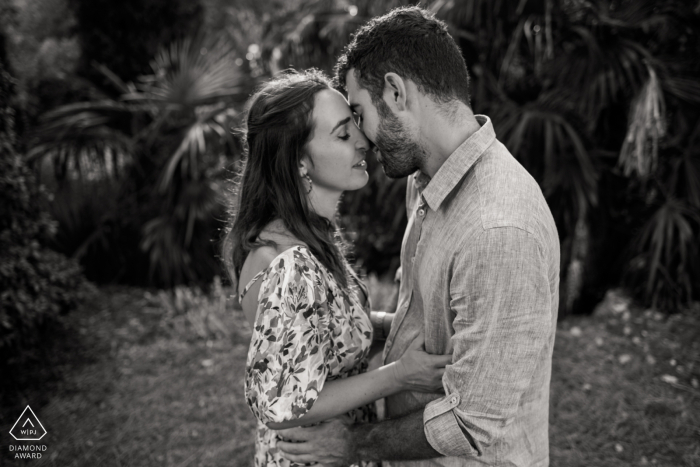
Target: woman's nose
<point>362,143</point>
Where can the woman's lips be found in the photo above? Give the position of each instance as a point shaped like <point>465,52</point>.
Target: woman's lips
<point>360,165</point>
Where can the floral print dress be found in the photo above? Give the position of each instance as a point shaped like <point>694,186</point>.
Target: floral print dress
<point>307,330</point>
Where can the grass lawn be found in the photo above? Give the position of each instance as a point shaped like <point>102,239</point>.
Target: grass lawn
<point>141,379</point>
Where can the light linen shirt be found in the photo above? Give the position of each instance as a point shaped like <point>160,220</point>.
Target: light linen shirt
<point>480,274</point>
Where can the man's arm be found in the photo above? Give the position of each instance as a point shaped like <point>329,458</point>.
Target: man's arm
<point>503,320</point>
<point>339,442</point>
<point>396,439</point>
<point>500,295</point>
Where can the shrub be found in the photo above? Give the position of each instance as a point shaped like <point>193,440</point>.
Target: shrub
<point>125,35</point>
<point>191,313</point>
<point>37,284</point>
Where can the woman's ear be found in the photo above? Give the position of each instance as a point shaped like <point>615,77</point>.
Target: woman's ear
<point>395,92</point>
<point>303,167</point>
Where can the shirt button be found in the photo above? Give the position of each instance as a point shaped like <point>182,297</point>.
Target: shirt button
<point>454,399</point>
<point>421,212</point>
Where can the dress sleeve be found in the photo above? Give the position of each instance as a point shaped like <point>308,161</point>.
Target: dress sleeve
<point>287,359</point>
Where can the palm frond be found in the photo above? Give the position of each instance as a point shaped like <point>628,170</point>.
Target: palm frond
<point>123,87</point>
<point>169,261</point>
<point>644,15</point>
<point>535,132</point>
<point>190,73</point>
<point>597,75</point>
<point>211,124</point>
<point>476,15</point>
<point>197,202</point>
<point>82,138</point>
<point>685,89</point>
<point>669,246</point>
<point>647,125</point>
<point>690,169</point>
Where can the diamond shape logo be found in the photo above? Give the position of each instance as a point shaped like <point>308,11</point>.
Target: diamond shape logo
<point>28,427</point>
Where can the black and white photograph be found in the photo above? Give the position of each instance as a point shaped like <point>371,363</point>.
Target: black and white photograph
<point>350,233</point>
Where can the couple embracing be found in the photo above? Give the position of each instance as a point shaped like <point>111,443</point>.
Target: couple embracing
<point>468,349</point>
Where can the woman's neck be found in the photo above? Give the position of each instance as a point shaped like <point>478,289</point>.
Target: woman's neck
<point>325,202</point>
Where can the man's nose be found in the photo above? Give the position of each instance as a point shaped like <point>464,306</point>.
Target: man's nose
<point>371,146</point>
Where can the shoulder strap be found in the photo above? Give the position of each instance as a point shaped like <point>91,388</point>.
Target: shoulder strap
<point>250,284</point>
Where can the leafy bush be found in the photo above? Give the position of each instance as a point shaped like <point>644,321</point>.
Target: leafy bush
<point>191,313</point>
<point>124,36</point>
<point>37,284</point>
<point>43,54</point>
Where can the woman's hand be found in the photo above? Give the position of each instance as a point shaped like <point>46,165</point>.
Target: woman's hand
<point>420,371</point>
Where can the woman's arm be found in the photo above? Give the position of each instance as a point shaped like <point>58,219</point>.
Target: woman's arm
<point>291,350</point>
<point>416,371</point>
<point>342,395</point>
<point>382,320</point>
<point>381,323</point>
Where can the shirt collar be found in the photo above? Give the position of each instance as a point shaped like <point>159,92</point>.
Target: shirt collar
<point>435,190</point>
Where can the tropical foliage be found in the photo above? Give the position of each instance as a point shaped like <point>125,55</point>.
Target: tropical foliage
<point>124,36</point>
<point>598,100</point>
<point>162,147</point>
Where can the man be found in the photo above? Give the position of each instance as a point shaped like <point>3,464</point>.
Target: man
<point>480,264</point>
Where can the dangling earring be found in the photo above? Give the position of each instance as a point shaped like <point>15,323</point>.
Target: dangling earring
<point>311,185</point>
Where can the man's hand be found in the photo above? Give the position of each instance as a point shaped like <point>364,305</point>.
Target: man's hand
<point>329,443</point>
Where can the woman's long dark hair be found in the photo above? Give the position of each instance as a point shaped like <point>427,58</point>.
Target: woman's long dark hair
<point>277,127</point>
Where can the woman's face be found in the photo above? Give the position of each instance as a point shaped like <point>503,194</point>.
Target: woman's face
<point>337,147</point>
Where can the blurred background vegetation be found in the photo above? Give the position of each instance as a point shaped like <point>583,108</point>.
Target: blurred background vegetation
<point>117,116</point>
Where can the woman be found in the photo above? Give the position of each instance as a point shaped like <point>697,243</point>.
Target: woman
<point>312,333</point>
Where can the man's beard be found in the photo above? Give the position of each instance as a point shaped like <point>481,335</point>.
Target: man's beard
<point>400,154</point>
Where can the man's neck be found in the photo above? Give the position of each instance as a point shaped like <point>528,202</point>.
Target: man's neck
<point>441,135</point>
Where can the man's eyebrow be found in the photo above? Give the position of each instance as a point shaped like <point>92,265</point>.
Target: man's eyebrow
<point>340,123</point>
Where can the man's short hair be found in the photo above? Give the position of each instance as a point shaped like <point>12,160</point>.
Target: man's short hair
<point>412,43</point>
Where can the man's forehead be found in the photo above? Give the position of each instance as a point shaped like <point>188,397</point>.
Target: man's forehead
<point>352,87</point>
<point>350,77</point>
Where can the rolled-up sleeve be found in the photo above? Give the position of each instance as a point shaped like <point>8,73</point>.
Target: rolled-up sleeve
<point>500,297</point>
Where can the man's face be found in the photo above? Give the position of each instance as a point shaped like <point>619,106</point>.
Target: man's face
<point>399,152</point>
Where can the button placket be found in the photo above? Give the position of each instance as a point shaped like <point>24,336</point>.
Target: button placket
<point>416,227</point>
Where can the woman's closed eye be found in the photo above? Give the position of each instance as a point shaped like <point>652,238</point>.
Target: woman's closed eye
<point>345,137</point>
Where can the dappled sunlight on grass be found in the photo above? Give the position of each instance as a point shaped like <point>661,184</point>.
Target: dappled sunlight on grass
<point>157,382</point>
<point>613,401</point>
<point>157,393</point>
